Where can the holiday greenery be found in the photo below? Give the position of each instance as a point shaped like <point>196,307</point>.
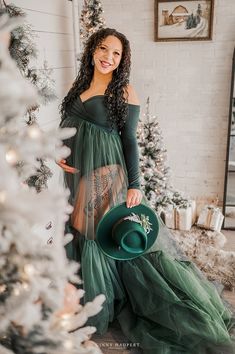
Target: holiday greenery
<point>23,50</point>
<point>91,19</point>
<point>40,178</point>
<point>39,309</point>
<point>155,174</point>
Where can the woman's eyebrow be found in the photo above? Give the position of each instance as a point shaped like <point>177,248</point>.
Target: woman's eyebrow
<point>114,49</point>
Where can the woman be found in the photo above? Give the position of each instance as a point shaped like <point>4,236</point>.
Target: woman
<point>160,300</point>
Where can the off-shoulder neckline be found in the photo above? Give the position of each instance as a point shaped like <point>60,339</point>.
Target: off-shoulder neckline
<point>97,96</point>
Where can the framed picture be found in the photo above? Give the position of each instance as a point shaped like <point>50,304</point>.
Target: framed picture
<point>185,20</point>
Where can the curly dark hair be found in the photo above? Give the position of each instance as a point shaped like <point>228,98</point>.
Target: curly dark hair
<point>114,94</point>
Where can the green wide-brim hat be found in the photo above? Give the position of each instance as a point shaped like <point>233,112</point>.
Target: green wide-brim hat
<point>105,231</point>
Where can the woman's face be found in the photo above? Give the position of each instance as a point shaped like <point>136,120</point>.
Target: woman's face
<point>107,55</point>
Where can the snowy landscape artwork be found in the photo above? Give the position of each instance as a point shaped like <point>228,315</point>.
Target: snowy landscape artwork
<point>183,20</point>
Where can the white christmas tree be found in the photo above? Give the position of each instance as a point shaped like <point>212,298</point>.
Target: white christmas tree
<point>39,309</point>
<point>91,19</point>
<point>24,51</point>
<point>155,174</point>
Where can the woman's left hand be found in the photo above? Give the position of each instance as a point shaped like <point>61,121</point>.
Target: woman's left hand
<point>133,198</point>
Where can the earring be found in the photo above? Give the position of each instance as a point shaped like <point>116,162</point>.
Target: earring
<point>92,62</point>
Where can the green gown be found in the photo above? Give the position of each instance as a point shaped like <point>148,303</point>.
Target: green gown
<point>161,300</point>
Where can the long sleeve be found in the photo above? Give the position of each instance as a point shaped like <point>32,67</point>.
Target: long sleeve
<point>130,146</point>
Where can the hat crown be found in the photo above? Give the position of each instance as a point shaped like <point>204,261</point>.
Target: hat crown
<point>130,239</point>
<point>130,236</point>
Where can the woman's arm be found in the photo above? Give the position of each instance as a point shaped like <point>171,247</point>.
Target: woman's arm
<point>130,149</point>
<point>131,95</point>
<point>69,143</point>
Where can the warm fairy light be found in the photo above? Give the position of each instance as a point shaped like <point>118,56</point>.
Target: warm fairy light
<point>66,316</point>
<point>65,321</point>
<point>3,197</point>
<point>16,291</point>
<point>34,132</point>
<point>2,288</point>
<point>68,344</point>
<point>25,286</point>
<point>29,269</point>
<point>12,157</point>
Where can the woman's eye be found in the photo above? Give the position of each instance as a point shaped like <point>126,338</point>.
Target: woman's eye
<point>117,53</point>
<point>102,47</point>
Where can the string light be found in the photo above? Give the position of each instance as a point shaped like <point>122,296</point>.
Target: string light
<point>68,344</point>
<point>29,269</point>
<point>3,197</point>
<point>34,132</point>
<point>16,291</point>
<point>65,321</point>
<point>2,288</point>
<point>12,156</point>
<point>25,286</point>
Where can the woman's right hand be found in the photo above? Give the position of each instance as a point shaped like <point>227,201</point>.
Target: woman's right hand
<point>66,168</point>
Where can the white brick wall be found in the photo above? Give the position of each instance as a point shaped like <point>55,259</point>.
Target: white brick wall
<point>188,83</point>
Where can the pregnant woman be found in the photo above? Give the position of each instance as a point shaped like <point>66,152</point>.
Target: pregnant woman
<point>161,300</point>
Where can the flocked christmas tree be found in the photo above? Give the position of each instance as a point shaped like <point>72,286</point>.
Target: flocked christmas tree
<point>23,50</point>
<point>91,19</point>
<point>39,309</point>
<point>201,246</point>
<point>155,174</point>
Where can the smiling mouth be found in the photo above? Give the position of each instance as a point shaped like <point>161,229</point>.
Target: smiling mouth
<point>105,64</point>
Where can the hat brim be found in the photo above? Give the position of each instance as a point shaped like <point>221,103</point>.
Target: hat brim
<point>104,230</point>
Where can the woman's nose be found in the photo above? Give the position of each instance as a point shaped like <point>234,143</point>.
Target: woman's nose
<point>109,56</point>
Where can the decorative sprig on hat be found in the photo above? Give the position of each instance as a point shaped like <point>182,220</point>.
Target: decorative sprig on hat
<point>143,220</point>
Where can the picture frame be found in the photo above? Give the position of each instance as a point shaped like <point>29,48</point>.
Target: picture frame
<point>183,20</point>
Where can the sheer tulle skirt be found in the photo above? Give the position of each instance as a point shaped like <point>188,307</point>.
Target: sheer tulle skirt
<point>101,181</point>
<point>160,299</point>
